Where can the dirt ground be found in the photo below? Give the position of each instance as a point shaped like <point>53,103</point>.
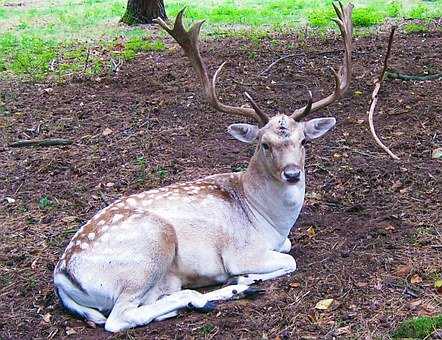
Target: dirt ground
<point>376,246</point>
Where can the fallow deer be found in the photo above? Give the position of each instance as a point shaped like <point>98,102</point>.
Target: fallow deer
<point>127,265</point>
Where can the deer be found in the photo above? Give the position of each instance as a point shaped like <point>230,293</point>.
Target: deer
<point>142,258</point>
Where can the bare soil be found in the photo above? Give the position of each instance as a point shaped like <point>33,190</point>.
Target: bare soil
<point>376,245</point>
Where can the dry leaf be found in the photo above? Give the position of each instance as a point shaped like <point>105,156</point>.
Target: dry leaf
<point>437,153</point>
<point>438,286</point>
<point>47,317</point>
<point>106,132</point>
<point>414,304</point>
<point>358,93</point>
<point>70,331</point>
<point>324,304</point>
<point>34,264</point>
<point>403,270</point>
<point>295,284</point>
<point>389,227</point>
<point>415,279</point>
<point>69,219</point>
<point>311,232</point>
<point>343,330</point>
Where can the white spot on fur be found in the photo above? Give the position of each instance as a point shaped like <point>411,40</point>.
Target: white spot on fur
<point>91,236</point>
<point>106,227</point>
<point>153,191</point>
<point>117,218</point>
<point>84,246</point>
<point>121,205</point>
<point>132,202</point>
<point>147,202</point>
<point>78,243</point>
<point>100,223</point>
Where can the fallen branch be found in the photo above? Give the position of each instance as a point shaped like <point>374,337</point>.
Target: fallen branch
<point>296,55</point>
<point>40,142</point>
<point>374,97</point>
<point>394,74</point>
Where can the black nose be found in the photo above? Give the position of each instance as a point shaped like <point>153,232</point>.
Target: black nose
<point>292,174</point>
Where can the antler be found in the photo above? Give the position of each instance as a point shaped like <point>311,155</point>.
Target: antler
<point>343,76</point>
<point>188,40</point>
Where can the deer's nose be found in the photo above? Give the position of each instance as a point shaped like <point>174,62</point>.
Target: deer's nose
<point>291,173</point>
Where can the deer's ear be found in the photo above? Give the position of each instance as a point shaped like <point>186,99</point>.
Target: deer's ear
<point>244,132</point>
<point>315,128</point>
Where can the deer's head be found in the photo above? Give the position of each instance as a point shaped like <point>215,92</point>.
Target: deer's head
<point>281,144</point>
<point>281,139</point>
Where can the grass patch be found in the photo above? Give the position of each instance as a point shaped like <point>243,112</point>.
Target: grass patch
<point>415,28</point>
<point>418,328</point>
<point>60,38</point>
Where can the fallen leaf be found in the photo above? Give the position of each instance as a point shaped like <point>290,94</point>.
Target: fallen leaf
<point>396,185</point>
<point>358,93</point>
<point>311,232</point>
<point>404,190</point>
<point>324,304</point>
<point>343,330</point>
<point>415,303</point>
<point>9,200</point>
<point>70,331</point>
<point>107,132</point>
<point>437,153</point>
<point>403,270</point>
<point>415,279</point>
<point>295,284</point>
<point>34,264</point>
<point>438,286</point>
<point>362,284</point>
<point>68,219</point>
<point>389,227</point>
<point>47,317</point>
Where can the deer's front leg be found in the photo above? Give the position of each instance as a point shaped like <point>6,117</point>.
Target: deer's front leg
<point>252,268</point>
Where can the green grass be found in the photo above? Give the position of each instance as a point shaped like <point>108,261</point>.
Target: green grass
<point>418,328</point>
<point>415,28</point>
<point>60,38</point>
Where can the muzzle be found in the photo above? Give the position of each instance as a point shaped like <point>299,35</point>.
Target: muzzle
<point>291,174</point>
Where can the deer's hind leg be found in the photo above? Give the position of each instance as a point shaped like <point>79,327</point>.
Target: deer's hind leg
<point>127,313</point>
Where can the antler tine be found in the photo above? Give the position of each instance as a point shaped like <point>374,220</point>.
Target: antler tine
<point>306,108</point>
<point>264,118</point>
<point>189,42</point>
<point>343,75</point>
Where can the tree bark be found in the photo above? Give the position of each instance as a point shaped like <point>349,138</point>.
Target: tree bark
<point>143,11</point>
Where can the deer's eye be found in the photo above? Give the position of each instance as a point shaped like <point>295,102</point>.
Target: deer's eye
<point>303,142</point>
<point>265,146</point>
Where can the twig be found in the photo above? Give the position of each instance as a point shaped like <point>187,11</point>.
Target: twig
<point>374,97</point>
<point>40,142</point>
<point>394,74</point>
<point>295,55</point>
<point>86,61</point>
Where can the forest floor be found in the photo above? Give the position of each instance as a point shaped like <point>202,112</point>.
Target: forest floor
<point>369,235</point>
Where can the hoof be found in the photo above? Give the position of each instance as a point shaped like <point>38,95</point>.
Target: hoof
<point>231,281</point>
<point>253,292</point>
<point>208,307</point>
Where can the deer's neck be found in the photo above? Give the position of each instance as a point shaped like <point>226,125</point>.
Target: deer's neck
<point>279,204</point>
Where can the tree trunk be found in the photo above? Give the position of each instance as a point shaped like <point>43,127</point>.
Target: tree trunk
<point>143,11</point>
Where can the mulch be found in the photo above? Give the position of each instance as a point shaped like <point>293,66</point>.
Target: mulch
<point>369,235</point>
